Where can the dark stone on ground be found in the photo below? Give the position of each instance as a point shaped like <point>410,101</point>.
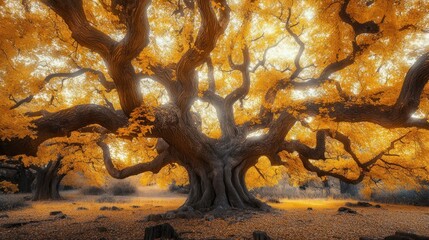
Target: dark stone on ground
<point>406,236</point>
<point>273,200</point>
<point>377,206</point>
<point>102,229</point>
<point>17,224</point>
<point>310,209</point>
<point>359,204</point>
<point>400,236</point>
<point>27,198</point>
<point>100,217</point>
<point>114,208</point>
<point>170,215</point>
<point>4,216</point>
<point>209,217</point>
<point>135,206</point>
<point>346,210</point>
<point>54,213</point>
<point>153,217</point>
<point>81,208</point>
<point>163,231</point>
<point>60,216</point>
<point>259,235</point>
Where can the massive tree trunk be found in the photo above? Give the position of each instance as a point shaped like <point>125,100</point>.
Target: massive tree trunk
<point>220,186</point>
<point>47,183</point>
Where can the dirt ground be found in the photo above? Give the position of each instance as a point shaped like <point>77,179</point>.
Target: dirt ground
<point>290,220</point>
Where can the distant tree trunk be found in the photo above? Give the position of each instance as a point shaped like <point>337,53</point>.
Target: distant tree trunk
<point>26,178</point>
<point>346,188</point>
<point>326,187</point>
<point>48,181</point>
<point>14,171</point>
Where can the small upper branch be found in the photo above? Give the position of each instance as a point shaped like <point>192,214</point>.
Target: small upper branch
<point>101,78</point>
<point>262,61</point>
<point>243,90</point>
<point>265,113</point>
<point>298,68</point>
<point>164,76</point>
<point>154,166</point>
<point>210,74</point>
<point>318,153</point>
<point>358,28</point>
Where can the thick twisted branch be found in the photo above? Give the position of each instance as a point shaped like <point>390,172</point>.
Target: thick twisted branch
<point>71,11</point>
<point>60,124</point>
<point>137,36</point>
<point>153,166</point>
<point>210,30</point>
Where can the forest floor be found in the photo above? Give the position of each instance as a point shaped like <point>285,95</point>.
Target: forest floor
<point>291,219</point>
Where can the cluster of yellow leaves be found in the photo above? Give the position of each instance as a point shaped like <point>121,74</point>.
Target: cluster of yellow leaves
<point>169,174</point>
<point>263,174</point>
<point>139,122</point>
<point>8,187</point>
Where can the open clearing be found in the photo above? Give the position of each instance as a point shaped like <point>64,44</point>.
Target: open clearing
<point>291,220</point>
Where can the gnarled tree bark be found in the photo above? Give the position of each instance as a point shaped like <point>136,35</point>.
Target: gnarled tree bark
<point>47,182</point>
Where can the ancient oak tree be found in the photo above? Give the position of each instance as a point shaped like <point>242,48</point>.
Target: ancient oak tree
<point>331,87</point>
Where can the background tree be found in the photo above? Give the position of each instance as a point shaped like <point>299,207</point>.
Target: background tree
<point>59,157</point>
<point>222,83</point>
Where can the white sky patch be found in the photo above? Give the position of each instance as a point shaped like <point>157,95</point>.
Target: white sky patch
<point>117,151</point>
<point>148,86</point>
<point>309,14</point>
<point>304,94</point>
<point>418,115</point>
<point>117,36</point>
<point>283,51</point>
<point>256,133</point>
<point>309,119</point>
<point>356,88</point>
<point>70,90</point>
<point>208,115</point>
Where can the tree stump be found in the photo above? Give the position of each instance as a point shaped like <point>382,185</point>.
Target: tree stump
<point>163,231</point>
<point>258,235</point>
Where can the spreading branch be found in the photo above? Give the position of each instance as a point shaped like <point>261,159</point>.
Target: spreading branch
<point>153,166</point>
<point>306,154</point>
<point>109,86</point>
<point>61,124</point>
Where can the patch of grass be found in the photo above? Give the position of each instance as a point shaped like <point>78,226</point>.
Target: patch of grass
<point>92,191</point>
<point>10,202</point>
<point>106,199</point>
<point>122,189</point>
<point>182,189</point>
<point>410,197</point>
